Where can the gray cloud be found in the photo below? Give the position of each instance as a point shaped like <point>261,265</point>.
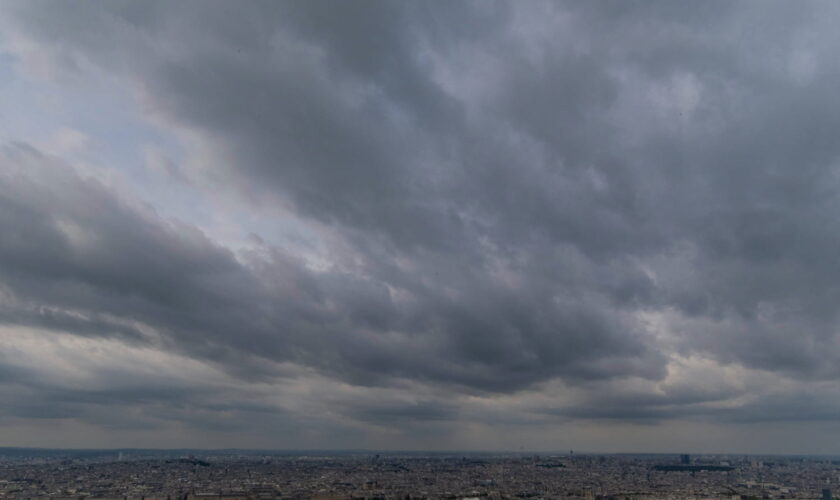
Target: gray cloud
<point>514,195</point>
<point>90,263</point>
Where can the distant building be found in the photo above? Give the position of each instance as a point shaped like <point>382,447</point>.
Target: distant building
<point>685,459</point>
<point>826,494</point>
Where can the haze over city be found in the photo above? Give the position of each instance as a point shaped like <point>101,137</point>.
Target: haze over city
<point>441,225</point>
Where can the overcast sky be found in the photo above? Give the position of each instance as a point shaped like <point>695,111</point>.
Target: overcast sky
<point>604,226</point>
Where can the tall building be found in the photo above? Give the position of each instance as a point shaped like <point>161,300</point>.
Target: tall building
<point>826,494</point>
<point>685,459</point>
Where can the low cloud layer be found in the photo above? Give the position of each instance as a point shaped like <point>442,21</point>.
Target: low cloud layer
<point>378,224</point>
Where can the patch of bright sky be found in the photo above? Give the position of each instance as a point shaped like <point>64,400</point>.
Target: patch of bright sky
<point>95,122</point>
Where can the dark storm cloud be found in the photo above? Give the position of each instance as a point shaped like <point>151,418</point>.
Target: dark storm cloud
<point>79,259</point>
<point>517,188</point>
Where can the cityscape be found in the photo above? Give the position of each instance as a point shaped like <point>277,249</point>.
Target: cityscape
<point>419,249</point>
<point>243,474</point>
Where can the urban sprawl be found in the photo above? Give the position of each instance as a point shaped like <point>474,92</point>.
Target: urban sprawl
<point>148,475</point>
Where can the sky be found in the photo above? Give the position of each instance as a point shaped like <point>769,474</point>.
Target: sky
<point>474,225</point>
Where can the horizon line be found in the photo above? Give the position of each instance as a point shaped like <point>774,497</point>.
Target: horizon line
<point>414,451</point>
